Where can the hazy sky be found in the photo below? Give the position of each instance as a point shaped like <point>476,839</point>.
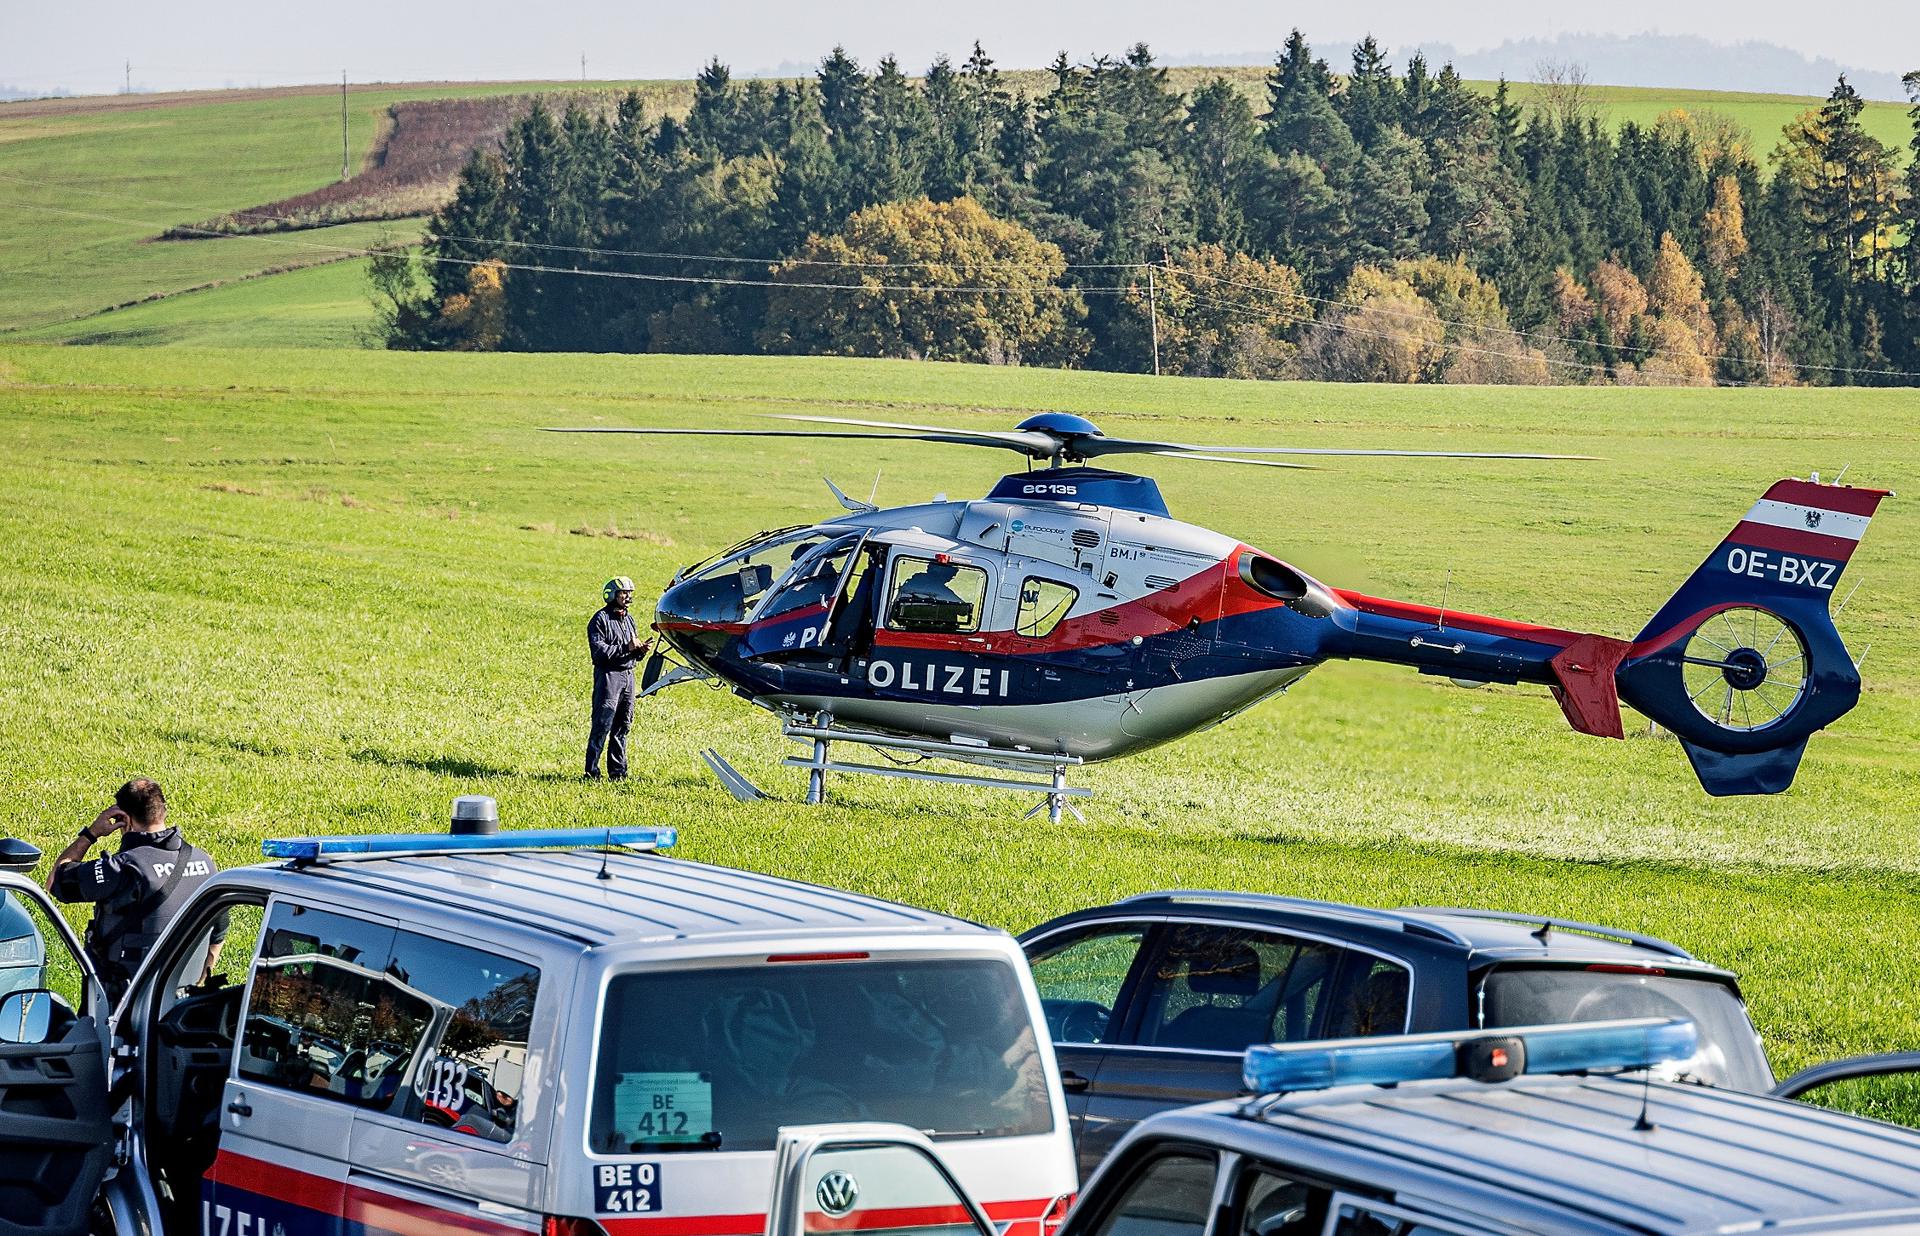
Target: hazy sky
<point>81,46</point>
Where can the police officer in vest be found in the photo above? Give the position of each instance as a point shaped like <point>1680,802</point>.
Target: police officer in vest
<point>615,644</point>
<point>137,890</point>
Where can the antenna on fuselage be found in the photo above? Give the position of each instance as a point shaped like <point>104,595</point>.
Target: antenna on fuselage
<point>1446,590</point>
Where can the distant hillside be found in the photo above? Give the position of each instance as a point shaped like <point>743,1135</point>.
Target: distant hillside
<point>1661,61</point>
<point>1672,60</point>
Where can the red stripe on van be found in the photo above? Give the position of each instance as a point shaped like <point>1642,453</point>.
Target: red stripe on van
<point>1023,1214</point>
<point>350,1202</point>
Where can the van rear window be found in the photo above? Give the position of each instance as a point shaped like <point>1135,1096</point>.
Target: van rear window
<point>719,1059</point>
<point>1729,1053</point>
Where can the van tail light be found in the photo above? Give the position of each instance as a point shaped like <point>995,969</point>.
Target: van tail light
<point>778,958</point>
<point>1614,968</point>
<point>563,1225</point>
<point>1055,1214</point>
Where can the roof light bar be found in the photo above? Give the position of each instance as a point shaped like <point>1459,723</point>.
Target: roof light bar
<point>1284,1068</point>
<point>323,849</point>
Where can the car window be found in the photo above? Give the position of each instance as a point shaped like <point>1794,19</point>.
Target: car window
<point>1168,1195</point>
<point>35,956</point>
<point>473,1062</point>
<point>1354,1218</point>
<point>1220,988</point>
<point>935,595</point>
<point>1729,1053</point>
<point>1270,1204</point>
<point>1043,603</point>
<point>357,1012</point>
<point>878,1189</point>
<point>1080,979</point>
<point>721,1058</point>
<point>1373,1000</point>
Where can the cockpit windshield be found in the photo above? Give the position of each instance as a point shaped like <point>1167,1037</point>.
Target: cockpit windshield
<point>728,588</point>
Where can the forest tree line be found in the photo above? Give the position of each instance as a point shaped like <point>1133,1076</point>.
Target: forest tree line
<point>1381,224</point>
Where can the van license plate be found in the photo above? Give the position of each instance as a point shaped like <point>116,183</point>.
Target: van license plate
<point>626,1188</point>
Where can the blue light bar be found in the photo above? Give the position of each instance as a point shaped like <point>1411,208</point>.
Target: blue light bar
<point>1284,1068</point>
<point>319,849</point>
<point>1636,1044</point>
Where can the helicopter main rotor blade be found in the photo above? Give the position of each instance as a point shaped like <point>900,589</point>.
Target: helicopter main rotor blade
<point>1264,463</point>
<point>1090,447</point>
<point>958,438</point>
<point>1026,441</point>
<point>1087,446</point>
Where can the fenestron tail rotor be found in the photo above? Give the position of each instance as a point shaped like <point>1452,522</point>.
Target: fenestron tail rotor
<point>1060,438</point>
<point>1746,668</point>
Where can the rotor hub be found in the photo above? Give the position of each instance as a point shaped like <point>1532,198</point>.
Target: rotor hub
<point>1745,669</point>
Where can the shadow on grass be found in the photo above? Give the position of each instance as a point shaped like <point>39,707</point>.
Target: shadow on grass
<point>443,765</point>
<point>241,746</point>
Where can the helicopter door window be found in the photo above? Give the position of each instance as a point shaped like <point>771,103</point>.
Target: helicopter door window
<point>814,579</point>
<point>1043,603</point>
<point>936,596</point>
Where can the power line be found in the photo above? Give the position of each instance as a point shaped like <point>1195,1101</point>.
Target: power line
<point>663,255</point>
<point>641,276</point>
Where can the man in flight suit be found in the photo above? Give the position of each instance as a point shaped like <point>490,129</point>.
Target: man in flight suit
<point>927,602</point>
<point>615,644</point>
<point>137,890</point>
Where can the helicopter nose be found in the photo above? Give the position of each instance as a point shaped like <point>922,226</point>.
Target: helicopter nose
<point>694,615</point>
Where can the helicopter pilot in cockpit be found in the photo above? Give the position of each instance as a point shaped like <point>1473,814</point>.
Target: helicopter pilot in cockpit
<point>927,602</point>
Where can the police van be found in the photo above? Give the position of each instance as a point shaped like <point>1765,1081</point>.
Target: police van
<point>554,1031</point>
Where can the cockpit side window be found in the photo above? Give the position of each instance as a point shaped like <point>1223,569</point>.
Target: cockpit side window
<point>813,579</point>
<point>936,596</point>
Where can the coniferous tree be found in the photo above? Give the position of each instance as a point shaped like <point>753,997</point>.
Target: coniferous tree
<point>1912,83</point>
<point>1371,102</point>
<point>1219,149</point>
<point>1475,201</point>
<point>1389,199</point>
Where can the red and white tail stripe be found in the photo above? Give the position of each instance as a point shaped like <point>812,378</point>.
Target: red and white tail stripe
<point>1806,517</point>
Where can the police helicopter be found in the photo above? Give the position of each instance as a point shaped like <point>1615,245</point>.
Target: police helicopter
<point>1067,617</point>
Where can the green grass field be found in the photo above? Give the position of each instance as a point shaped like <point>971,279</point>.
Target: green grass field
<point>322,590</point>
<point>85,184</point>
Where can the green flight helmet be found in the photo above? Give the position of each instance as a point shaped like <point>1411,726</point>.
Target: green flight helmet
<point>618,583</point>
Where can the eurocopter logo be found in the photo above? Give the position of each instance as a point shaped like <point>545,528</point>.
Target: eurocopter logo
<point>1018,525</point>
<point>1813,519</point>
<point>836,1193</point>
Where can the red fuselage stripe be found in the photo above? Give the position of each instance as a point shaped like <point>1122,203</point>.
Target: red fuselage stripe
<point>1479,623</point>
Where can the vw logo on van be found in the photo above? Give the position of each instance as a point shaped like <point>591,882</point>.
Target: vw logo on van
<point>836,1193</point>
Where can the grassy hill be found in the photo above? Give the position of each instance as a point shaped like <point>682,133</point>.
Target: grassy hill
<point>315,590</point>
<point>86,183</point>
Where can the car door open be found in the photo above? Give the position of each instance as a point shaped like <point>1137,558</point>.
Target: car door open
<point>1884,1086</point>
<point>871,1177</point>
<point>56,1126</point>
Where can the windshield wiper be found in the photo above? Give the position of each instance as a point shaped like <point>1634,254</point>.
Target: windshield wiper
<point>707,1141</point>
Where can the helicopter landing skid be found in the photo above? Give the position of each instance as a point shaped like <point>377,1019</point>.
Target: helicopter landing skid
<point>1056,794</point>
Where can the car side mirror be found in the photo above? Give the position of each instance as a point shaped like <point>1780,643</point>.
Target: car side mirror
<point>26,1016</point>
<point>17,855</point>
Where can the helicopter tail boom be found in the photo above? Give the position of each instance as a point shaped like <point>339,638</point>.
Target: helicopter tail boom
<point>1742,664</point>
